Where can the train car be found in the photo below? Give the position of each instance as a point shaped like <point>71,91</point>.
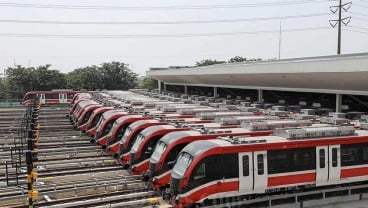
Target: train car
<point>94,118</point>
<point>120,126</point>
<point>130,135</point>
<point>79,109</point>
<point>49,97</point>
<point>86,114</point>
<point>169,146</point>
<point>74,107</point>
<point>143,147</point>
<point>118,129</point>
<point>135,128</point>
<point>106,124</point>
<point>292,159</point>
<point>107,117</point>
<point>153,133</point>
<point>80,95</point>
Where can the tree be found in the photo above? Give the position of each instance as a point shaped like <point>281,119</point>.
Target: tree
<point>110,76</point>
<point>237,59</point>
<point>84,78</point>
<point>148,83</point>
<point>47,79</point>
<point>207,62</point>
<point>19,80</point>
<point>117,76</point>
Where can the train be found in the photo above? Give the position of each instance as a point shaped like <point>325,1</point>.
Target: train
<point>291,159</point>
<point>49,97</point>
<point>171,144</point>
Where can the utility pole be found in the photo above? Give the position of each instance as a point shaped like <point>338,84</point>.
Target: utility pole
<point>280,41</point>
<point>345,20</point>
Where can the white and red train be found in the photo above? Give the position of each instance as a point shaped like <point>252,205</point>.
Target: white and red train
<point>244,167</point>
<point>49,97</point>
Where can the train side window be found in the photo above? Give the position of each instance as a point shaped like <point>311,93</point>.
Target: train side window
<point>260,164</point>
<point>245,165</point>
<point>278,161</point>
<point>304,159</point>
<point>322,159</point>
<point>334,157</point>
<point>350,155</point>
<point>365,153</point>
<point>201,172</point>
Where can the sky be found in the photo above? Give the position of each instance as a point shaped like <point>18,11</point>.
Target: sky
<point>164,45</point>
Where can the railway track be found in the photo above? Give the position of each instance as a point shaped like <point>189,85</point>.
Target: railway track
<point>71,171</point>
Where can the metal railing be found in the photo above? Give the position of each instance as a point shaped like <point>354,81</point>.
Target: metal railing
<point>6,103</point>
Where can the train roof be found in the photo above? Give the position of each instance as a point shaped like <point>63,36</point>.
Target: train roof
<point>94,106</point>
<point>113,112</point>
<point>102,108</point>
<point>151,129</point>
<point>174,136</point>
<point>124,118</point>
<point>135,124</point>
<point>87,102</point>
<point>284,136</point>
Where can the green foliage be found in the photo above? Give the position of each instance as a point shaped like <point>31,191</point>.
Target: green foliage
<point>84,78</point>
<point>148,83</point>
<point>207,62</point>
<point>237,59</point>
<point>111,76</point>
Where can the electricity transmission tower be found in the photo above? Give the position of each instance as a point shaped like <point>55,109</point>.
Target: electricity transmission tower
<point>341,20</point>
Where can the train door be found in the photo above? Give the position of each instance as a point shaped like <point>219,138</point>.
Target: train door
<point>246,171</point>
<point>260,170</point>
<point>321,165</point>
<point>42,98</point>
<point>334,163</point>
<point>63,98</point>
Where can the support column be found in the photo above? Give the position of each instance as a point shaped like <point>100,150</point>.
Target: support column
<point>214,92</point>
<point>159,86</point>
<point>338,103</point>
<point>260,95</point>
<point>165,87</point>
<point>185,89</point>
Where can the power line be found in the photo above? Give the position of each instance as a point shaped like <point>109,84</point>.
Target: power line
<point>361,28</point>
<point>32,35</point>
<point>359,5</point>
<point>358,18</point>
<point>357,13</point>
<point>357,31</point>
<point>157,22</point>
<point>97,7</point>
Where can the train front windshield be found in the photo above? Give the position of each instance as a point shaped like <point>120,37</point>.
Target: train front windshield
<point>138,142</point>
<point>182,163</point>
<point>112,128</point>
<point>160,148</point>
<point>126,134</point>
<point>98,125</point>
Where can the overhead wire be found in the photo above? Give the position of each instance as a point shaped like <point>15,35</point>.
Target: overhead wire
<point>159,22</point>
<point>33,35</point>
<point>357,31</point>
<point>98,7</point>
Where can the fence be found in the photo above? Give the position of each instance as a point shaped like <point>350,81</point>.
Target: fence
<point>5,103</point>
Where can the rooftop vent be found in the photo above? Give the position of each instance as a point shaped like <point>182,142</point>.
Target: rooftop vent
<point>315,132</point>
<point>242,140</point>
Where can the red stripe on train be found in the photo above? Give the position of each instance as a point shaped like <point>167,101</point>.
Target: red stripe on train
<point>209,190</point>
<point>291,179</point>
<point>353,172</point>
